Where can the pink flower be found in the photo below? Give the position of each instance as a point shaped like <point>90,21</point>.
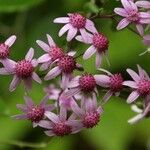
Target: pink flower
<point>74,23</point>
<point>85,84</point>
<point>52,92</point>
<point>99,45</point>
<point>53,52</point>
<point>114,82</point>
<point>146,39</point>
<point>32,112</point>
<point>89,113</point>
<point>140,85</point>
<point>5,48</point>
<point>131,14</point>
<point>65,66</point>
<point>22,70</point>
<point>143,4</point>
<point>60,125</point>
<point>141,114</point>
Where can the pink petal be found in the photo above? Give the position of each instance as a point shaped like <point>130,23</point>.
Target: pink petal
<point>36,77</point>
<point>74,82</point>
<point>30,54</point>
<point>50,40</point>
<point>64,29</point>
<point>10,41</point>
<point>53,117</point>
<point>89,52</point>
<point>121,12</point>
<point>52,73</point>
<point>131,84</point>
<point>45,66</point>
<point>84,35</point>
<point>140,29</point>
<point>132,97</point>
<point>65,80</point>
<point>22,107</point>
<point>71,34</point>
<point>28,101</point>
<point>44,58</point>
<point>20,117</point>
<point>34,63</point>
<point>72,92</point>
<point>144,15</point>
<point>90,26</point>
<point>127,5</point>
<point>15,82</point>
<point>49,133</point>
<point>133,74</point>
<point>9,65</point>
<point>45,124</point>
<point>43,45</point>
<point>71,53</point>
<point>98,60</point>
<point>144,21</point>
<point>61,20</point>
<point>144,4</point>
<point>122,24</point>
<point>4,71</point>
<point>28,83</point>
<point>102,80</point>
<point>107,96</point>
<point>63,113</point>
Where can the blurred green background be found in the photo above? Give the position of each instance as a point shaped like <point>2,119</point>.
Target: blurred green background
<point>31,20</point>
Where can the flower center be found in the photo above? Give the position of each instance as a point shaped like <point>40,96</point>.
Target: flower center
<point>61,129</point>
<point>55,52</point>
<point>100,42</point>
<point>36,114</point>
<point>4,51</point>
<point>87,83</point>
<point>91,119</point>
<point>24,69</point>
<point>144,87</point>
<point>77,20</point>
<point>116,81</point>
<point>67,64</point>
<point>133,16</point>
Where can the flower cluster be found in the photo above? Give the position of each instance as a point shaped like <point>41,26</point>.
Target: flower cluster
<point>75,105</point>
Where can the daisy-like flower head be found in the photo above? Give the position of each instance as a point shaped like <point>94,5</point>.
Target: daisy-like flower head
<point>114,82</point>
<point>146,39</point>
<point>60,125</point>
<point>141,114</point>
<point>65,66</point>
<point>5,48</point>
<point>89,114</point>
<point>144,4</point>
<point>75,22</point>
<point>53,52</point>
<point>22,70</point>
<point>33,112</point>
<point>99,45</point>
<point>131,14</point>
<point>140,85</point>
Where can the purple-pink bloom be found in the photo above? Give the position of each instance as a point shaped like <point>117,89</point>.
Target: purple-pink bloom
<point>114,82</point>
<point>143,4</point>
<point>89,114</point>
<point>140,85</point>
<point>53,52</point>
<point>61,124</point>
<point>33,112</point>
<point>5,49</point>
<point>22,70</point>
<point>75,23</point>
<point>131,14</point>
<point>99,45</point>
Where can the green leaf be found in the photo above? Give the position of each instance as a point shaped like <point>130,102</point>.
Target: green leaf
<point>17,5</point>
<point>91,7</point>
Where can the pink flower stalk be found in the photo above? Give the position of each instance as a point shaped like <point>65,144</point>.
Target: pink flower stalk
<point>22,70</point>
<point>52,92</point>
<point>32,112</point>
<point>60,125</point>
<point>141,114</point>
<point>131,14</point>
<point>65,66</point>
<point>144,4</point>
<point>89,113</point>
<point>146,39</point>
<point>75,23</point>
<point>53,52</point>
<point>99,45</point>
<point>85,84</point>
<point>114,82</point>
<point>140,85</point>
<point>5,49</point>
